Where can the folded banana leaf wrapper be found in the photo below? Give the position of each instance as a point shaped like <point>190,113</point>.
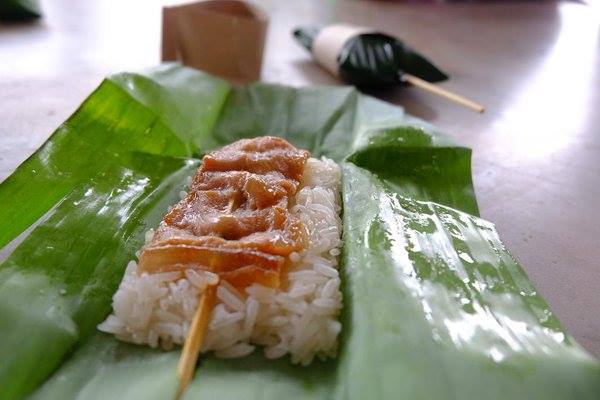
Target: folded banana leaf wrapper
<point>435,305</point>
<point>364,56</point>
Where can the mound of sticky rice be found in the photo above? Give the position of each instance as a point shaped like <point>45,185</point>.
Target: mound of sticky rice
<point>299,319</point>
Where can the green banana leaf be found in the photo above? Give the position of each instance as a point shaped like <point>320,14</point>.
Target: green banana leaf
<point>435,306</point>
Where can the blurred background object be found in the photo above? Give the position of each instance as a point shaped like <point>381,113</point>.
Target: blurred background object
<point>222,37</point>
<point>19,10</point>
<point>534,64</point>
<point>369,59</point>
<point>364,57</point>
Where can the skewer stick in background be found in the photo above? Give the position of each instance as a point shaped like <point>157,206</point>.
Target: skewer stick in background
<point>195,337</point>
<point>431,88</point>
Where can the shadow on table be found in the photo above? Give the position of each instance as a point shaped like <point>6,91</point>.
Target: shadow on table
<point>315,74</point>
<point>21,26</point>
<point>405,97</point>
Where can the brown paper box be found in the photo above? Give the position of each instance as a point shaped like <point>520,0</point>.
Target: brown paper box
<point>222,37</point>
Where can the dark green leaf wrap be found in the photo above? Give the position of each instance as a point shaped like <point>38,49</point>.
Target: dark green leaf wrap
<point>19,10</point>
<point>375,59</point>
<point>435,306</point>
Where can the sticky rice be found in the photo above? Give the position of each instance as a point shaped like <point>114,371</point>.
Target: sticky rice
<point>299,319</point>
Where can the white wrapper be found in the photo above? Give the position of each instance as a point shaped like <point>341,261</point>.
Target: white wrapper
<point>330,41</point>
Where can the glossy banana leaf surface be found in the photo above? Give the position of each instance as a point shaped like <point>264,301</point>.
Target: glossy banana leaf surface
<point>435,306</point>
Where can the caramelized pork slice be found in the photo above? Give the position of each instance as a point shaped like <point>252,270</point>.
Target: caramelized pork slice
<point>260,155</point>
<point>235,220</point>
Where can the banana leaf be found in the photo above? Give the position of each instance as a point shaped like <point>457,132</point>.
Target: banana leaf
<point>435,305</point>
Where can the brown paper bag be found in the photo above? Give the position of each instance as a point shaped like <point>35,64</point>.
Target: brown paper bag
<point>222,37</point>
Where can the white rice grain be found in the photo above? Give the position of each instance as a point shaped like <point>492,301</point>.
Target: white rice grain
<point>235,351</point>
<point>229,299</point>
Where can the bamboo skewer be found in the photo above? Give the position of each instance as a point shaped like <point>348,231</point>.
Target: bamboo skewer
<point>422,84</point>
<point>193,342</point>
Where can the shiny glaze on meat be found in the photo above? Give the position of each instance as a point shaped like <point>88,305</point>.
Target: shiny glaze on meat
<point>235,220</point>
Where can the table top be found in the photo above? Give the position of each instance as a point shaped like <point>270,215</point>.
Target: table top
<point>535,65</point>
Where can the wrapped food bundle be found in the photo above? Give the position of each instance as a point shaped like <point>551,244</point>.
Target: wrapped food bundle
<point>19,10</point>
<point>248,257</point>
<point>242,255</point>
<point>364,57</point>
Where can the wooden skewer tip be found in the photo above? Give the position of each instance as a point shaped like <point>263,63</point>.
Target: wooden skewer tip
<point>193,342</point>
